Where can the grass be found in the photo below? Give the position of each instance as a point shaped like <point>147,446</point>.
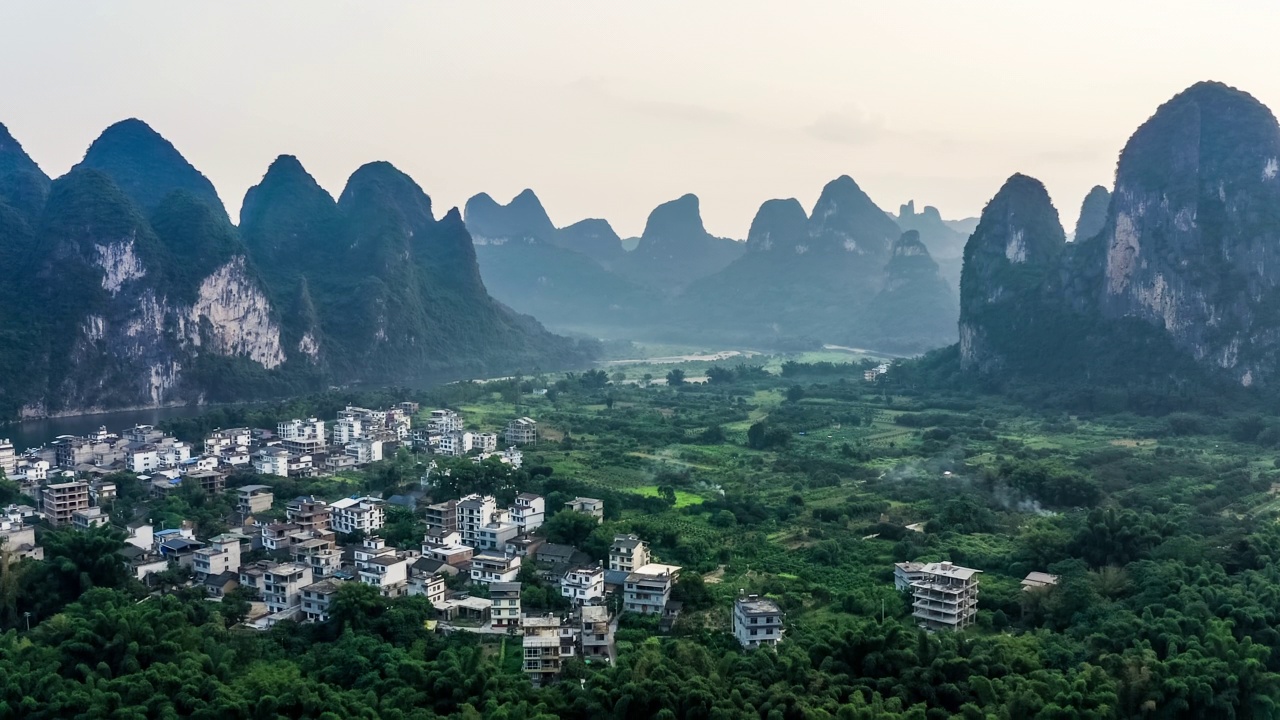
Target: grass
<point>684,499</point>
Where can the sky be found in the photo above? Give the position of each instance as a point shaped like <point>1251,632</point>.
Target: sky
<point>608,109</point>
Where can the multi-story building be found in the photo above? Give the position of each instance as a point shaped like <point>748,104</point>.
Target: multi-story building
<point>490,567</point>
<point>318,552</point>
<point>90,517</point>
<point>347,429</point>
<point>453,444</point>
<point>102,492</point>
<point>945,597</point>
<point>62,500</point>
<point>282,586</point>
<point>444,421</point>
<point>388,573</point>
<point>541,648</point>
<point>31,472</point>
<point>442,518</point>
<point>370,548</point>
<point>308,512</point>
<point>18,540</point>
<point>583,585</point>
<point>474,512</point>
<point>447,549</point>
<point>8,458</point>
<point>587,506</point>
<point>595,632</point>
<point>317,598</point>
<point>254,499</point>
<point>278,536</point>
<point>906,573</point>
<point>220,441</point>
<point>365,514</point>
<point>143,459</point>
<point>429,585</point>
<point>522,431</point>
<point>756,621</point>
<point>221,556</point>
<point>142,434</point>
<point>506,603</point>
<point>496,535</point>
<point>648,590</point>
<point>302,437</point>
<point>627,553</point>
<point>272,460</point>
<point>364,450</point>
<point>528,512</point>
<point>211,482</point>
<point>484,442</point>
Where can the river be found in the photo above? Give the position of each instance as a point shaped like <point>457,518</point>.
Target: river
<point>32,433</point>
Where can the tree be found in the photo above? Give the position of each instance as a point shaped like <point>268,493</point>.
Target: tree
<point>618,377</point>
<point>795,393</point>
<point>356,605</point>
<point>717,375</point>
<point>675,377</point>
<point>569,527</point>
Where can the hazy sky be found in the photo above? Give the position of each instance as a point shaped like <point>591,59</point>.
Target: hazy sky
<point>607,109</point>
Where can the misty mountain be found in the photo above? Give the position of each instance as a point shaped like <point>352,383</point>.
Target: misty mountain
<point>675,249</point>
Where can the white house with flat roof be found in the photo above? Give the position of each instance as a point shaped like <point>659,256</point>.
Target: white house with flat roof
<point>757,621</point>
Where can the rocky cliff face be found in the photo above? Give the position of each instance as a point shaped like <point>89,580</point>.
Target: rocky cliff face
<point>1093,214</point>
<point>1192,241</point>
<point>118,318</point>
<point>1013,252</point>
<point>129,287</point>
<point>1188,256</point>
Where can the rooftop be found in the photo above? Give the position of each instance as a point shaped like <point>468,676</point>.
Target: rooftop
<point>949,570</point>
<point>756,605</point>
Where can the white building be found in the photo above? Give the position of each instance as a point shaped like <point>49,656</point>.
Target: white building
<point>906,573</point>
<point>757,621</point>
<point>317,598</point>
<point>282,586</point>
<point>347,430</point>
<point>429,585</point>
<point>219,441</point>
<point>490,567</point>
<point>484,442</point>
<point>90,517</point>
<point>222,555</point>
<point>627,553</point>
<point>648,590</point>
<point>528,512</point>
<point>364,451</point>
<point>273,460</point>
<point>309,429</point>
<point>496,535</point>
<point>349,515</point>
<point>583,584</point>
<point>587,506</point>
<point>474,512</point>
<point>506,608</point>
<point>8,458</point>
<point>143,460</point>
<point>522,431</point>
<point>388,573</point>
<point>443,422</point>
<point>946,597</point>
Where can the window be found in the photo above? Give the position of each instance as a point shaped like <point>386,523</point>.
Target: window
<point>753,632</point>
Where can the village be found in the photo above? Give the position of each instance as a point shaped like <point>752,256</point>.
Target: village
<point>468,564</point>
